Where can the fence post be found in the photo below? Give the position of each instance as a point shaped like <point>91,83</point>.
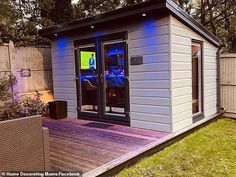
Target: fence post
<point>12,63</point>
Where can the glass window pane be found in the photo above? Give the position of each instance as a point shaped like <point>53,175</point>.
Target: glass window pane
<point>88,78</point>
<point>114,76</point>
<point>196,78</point>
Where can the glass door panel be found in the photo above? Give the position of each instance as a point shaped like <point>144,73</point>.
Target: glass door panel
<point>114,77</point>
<point>88,79</point>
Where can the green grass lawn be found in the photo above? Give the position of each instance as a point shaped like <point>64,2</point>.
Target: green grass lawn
<point>209,152</point>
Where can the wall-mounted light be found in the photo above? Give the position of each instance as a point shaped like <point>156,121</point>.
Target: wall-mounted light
<point>92,27</point>
<point>55,34</point>
<point>144,14</point>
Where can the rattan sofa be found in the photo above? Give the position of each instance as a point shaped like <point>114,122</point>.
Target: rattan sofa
<point>24,145</point>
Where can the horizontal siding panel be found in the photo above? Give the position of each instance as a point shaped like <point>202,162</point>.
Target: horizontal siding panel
<point>63,60</point>
<point>63,72</point>
<point>209,46</point>
<point>212,53</point>
<point>210,79</point>
<point>210,112</point>
<point>62,51</point>
<point>180,66</point>
<point>182,100</point>
<point>63,42</point>
<point>62,90</point>
<point>210,59</point>
<point>150,67</point>
<point>149,32</point>
<point>209,99</point>
<point>151,125</point>
<point>72,103</point>
<point>210,92</point>
<point>210,105</point>
<point>150,84</point>
<point>180,30</point>
<point>69,96</point>
<point>55,49</point>
<point>72,114</point>
<point>177,39</point>
<point>67,65</point>
<point>145,25</point>
<point>144,42</point>
<point>161,93</point>
<point>181,57</point>
<point>63,78</point>
<point>149,76</point>
<point>69,84</point>
<point>181,83</point>
<point>210,66</point>
<point>71,109</point>
<point>209,86</point>
<point>65,98</point>
<point>150,101</point>
<point>164,48</point>
<point>181,49</point>
<point>161,110</point>
<point>181,91</point>
<point>183,124</point>
<point>181,75</point>
<point>210,73</point>
<point>156,58</point>
<point>183,116</point>
<point>182,108</point>
<point>66,47</point>
<point>151,117</point>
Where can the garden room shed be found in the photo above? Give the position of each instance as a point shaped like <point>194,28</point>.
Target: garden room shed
<point>148,65</point>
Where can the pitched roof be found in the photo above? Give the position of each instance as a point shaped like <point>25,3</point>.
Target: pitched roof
<point>157,6</point>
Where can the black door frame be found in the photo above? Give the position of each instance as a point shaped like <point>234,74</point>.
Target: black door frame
<point>100,115</point>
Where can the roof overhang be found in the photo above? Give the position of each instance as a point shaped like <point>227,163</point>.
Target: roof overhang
<point>156,6</point>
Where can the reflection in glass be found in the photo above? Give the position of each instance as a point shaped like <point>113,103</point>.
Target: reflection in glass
<point>88,78</point>
<point>196,78</point>
<point>114,77</point>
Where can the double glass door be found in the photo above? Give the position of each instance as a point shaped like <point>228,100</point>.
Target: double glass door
<point>102,80</point>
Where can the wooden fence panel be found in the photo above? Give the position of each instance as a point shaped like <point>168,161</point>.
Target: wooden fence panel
<point>36,59</point>
<point>4,59</point>
<point>228,83</point>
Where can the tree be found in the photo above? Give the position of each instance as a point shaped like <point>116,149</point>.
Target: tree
<point>86,8</point>
<point>186,5</point>
<point>217,15</point>
<point>62,11</point>
<point>45,7</point>
<point>19,22</point>
<point>8,17</point>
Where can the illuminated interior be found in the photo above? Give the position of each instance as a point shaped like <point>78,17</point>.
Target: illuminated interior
<point>108,73</point>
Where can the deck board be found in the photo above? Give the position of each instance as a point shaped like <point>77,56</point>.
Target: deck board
<point>81,145</point>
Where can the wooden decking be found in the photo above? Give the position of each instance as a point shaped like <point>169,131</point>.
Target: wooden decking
<point>79,145</point>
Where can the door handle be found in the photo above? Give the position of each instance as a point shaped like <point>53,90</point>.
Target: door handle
<point>76,79</point>
<point>102,78</point>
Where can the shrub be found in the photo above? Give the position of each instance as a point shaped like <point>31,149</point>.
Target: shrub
<point>33,106</point>
<point>6,82</point>
<point>22,107</point>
